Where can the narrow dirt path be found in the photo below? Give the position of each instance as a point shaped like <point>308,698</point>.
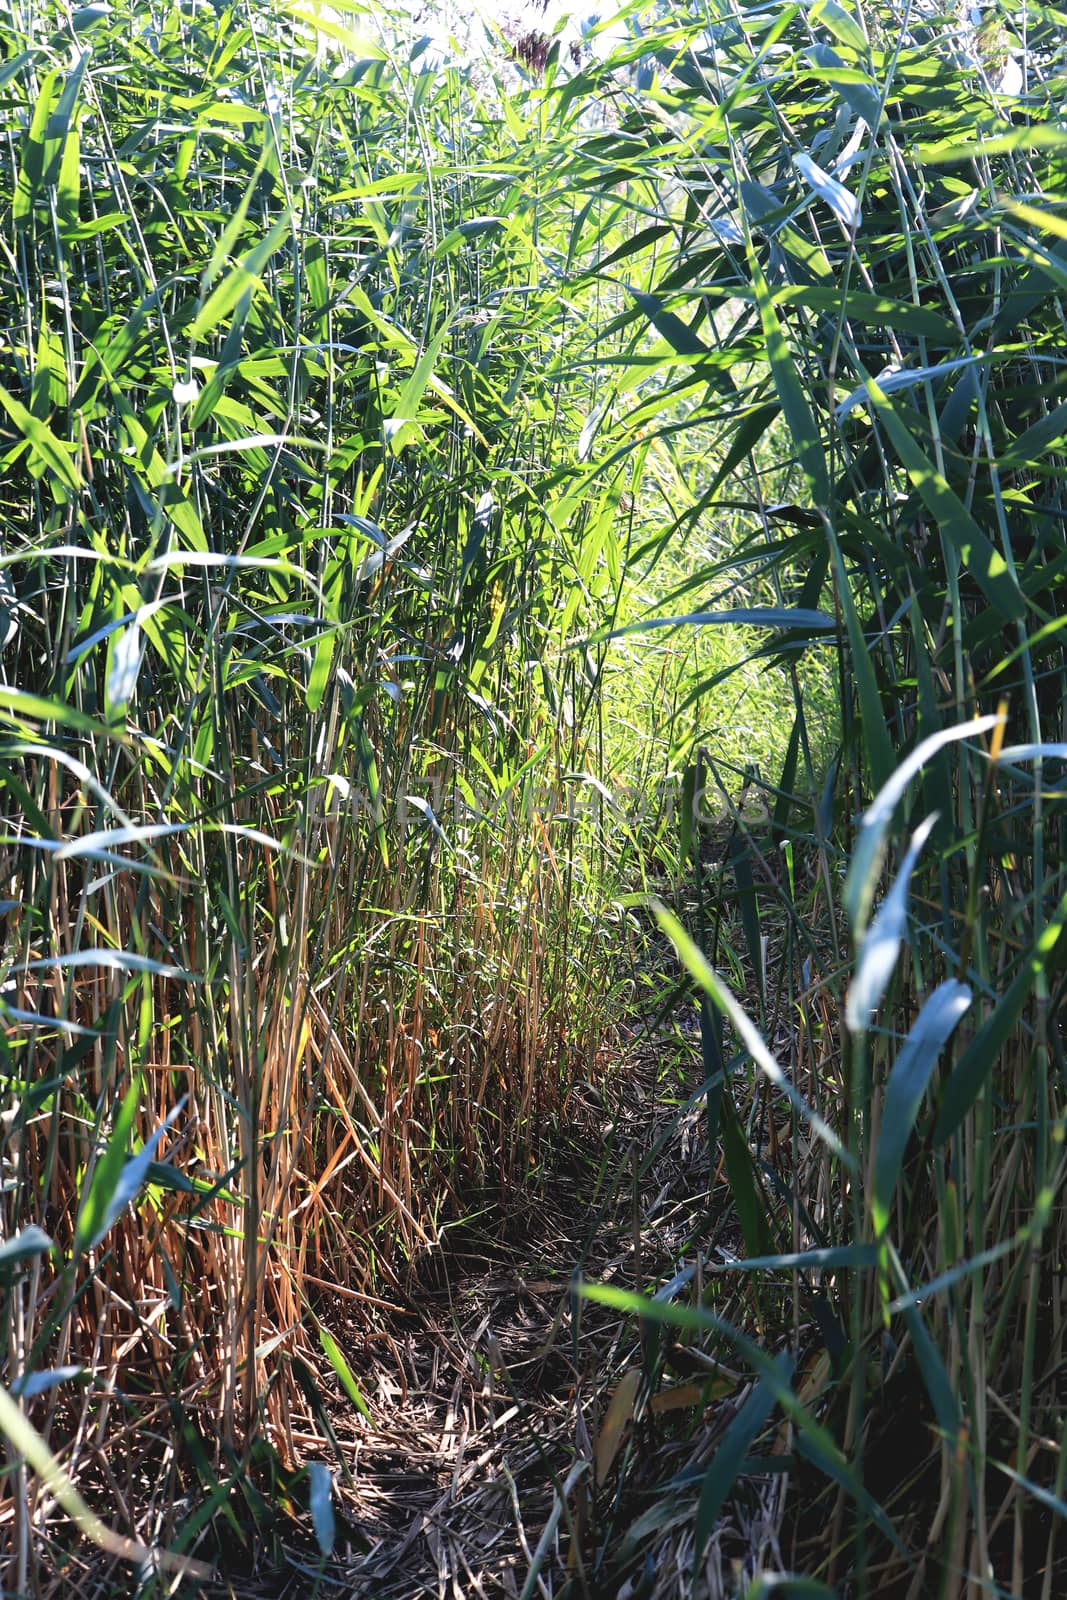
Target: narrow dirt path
<point>478,1474</point>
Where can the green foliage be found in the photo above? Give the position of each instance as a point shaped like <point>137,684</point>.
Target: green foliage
<point>862,284</point>
<point>300,777</point>
<point>414,480</point>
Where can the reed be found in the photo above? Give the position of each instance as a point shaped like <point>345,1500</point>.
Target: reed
<point>406,465</point>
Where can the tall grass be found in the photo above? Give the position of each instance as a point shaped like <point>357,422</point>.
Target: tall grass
<point>354,407</point>
<point>859,237</point>
<point>303,882</point>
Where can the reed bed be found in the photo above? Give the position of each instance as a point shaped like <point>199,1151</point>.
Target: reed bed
<point>379,431</point>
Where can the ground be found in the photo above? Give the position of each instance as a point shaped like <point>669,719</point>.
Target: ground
<point>496,1462</point>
